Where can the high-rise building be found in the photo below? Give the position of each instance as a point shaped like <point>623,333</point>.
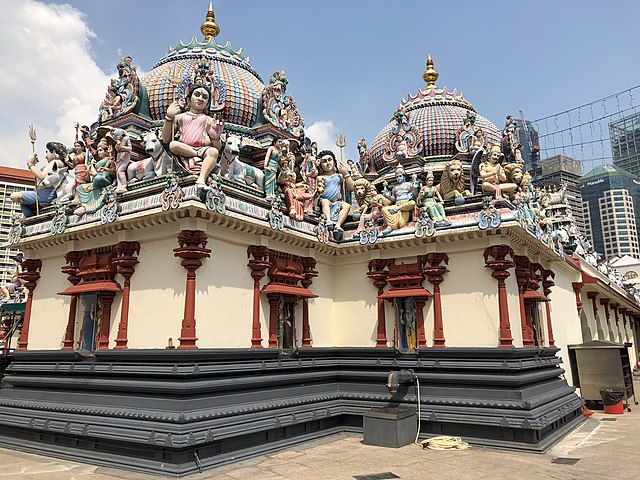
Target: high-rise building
<point>625,143</point>
<point>611,199</point>
<point>11,180</point>
<point>528,138</point>
<point>559,170</point>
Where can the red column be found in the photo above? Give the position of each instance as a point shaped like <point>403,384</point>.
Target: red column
<point>258,264</point>
<point>422,340</point>
<point>306,332</point>
<point>30,274</point>
<point>523,278</point>
<point>500,265</point>
<point>71,269</point>
<point>125,261</point>
<point>105,321</point>
<point>309,273</point>
<point>378,273</point>
<point>274,298</point>
<point>577,287</point>
<point>192,249</point>
<point>435,272</point>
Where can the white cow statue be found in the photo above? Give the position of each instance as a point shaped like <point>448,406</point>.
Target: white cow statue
<point>232,168</point>
<point>156,165</point>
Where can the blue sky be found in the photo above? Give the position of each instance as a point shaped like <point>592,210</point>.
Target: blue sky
<point>349,62</point>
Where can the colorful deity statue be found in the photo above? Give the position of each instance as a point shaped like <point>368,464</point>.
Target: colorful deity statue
<point>509,141</point>
<point>329,192</point>
<point>52,181</point>
<point>198,141</point>
<point>403,140</point>
<point>429,197</point>
<point>309,171</point>
<point>295,193</point>
<point>365,158</point>
<point>123,148</point>
<point>102,174</point>
<point>272,159</point>
<point>125,94</point>
<point>406,324</point>
<point>370,202</point>
<point>494,179</point>
<point>280,109</point>
<point>401,198</point>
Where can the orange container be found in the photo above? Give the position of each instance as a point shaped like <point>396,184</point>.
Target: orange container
<point>617,409</point>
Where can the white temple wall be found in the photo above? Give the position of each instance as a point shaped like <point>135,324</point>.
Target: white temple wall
<point>156,304</point>
<point>49,311</point>
<point>469,303</point>
<point>355,298</point>
<point>323,324</point>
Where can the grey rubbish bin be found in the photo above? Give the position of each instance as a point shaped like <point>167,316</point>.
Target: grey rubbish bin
<point>390,427</point>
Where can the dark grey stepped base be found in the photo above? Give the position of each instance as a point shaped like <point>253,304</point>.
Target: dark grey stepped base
<point>157,410</point>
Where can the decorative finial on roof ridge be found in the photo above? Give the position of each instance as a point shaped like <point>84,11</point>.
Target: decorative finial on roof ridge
<point>210,28</point>
<point>430,75</point>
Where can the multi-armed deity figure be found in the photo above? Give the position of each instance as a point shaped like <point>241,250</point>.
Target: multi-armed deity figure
<point>401,196</point>
<point>199,133</point>
<point>329,191</point>
<point>56,155</point>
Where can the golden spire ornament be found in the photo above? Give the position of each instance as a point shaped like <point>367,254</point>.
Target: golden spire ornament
<point>430,75</point>
<point>210,28</point>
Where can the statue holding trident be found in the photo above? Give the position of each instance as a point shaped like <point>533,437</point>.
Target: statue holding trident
<point>341,142</point>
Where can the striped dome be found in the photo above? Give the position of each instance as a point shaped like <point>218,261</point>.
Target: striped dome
<point>437,114</point>
<point>242,85</point>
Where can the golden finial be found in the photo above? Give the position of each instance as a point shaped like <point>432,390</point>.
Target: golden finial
<point>210,28</point>
<point>430,75</point>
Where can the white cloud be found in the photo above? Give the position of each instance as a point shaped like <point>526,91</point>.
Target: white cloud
<point>47,76</point>
<point>324,132</point>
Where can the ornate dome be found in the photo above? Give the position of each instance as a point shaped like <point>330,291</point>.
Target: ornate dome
<point>437,114</point>
<point>239,85</point>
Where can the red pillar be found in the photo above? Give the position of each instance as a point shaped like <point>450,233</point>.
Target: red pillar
<point>547,283</point>
<point>192,249</point>
<point>274,298</point>
<point>378,273</point>
<point>500,265</point>
<point>30,274</point>
<point>422,340</point>
<point>523,278</point>
<point>577,287</point>
<point>435,272</point>
<point>71,269</point>
<point>306,332</point>
<point>125,261</point>
<point>105,321</point>
<point>258,262</point>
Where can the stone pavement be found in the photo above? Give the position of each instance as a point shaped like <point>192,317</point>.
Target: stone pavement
<point>604,447</point>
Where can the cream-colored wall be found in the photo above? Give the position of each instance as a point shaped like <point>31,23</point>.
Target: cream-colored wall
<point>49,311</point>
<point>564,313</point>
<point>355,303</point>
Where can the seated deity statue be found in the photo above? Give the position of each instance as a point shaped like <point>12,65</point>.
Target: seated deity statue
<point>102,174</point>
<point>56,155</point>
<point>198,140</point>
<point>329,191</point>
<point>429,197</point>
<point>494,179</point>
<point>295,194</point>
<point>398,214</point>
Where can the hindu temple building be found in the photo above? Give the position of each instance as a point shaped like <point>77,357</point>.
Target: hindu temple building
<point>199,292</point>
